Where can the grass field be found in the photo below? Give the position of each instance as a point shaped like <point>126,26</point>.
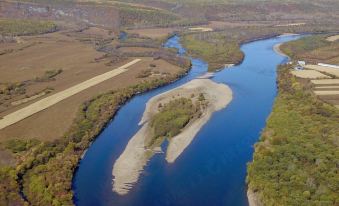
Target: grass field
<point>11,27</point>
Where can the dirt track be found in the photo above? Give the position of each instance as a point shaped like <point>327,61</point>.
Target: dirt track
<point>53,99</point>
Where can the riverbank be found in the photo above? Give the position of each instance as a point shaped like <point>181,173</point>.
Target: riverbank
<point>289,155</point>
<point>253,199</point>
<point>137,152</point>
<point>277,49</point>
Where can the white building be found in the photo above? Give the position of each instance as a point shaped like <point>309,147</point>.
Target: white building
<point>302,63</point>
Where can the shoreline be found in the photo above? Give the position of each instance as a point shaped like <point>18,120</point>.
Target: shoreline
<point>252,198</point>
<point>277,50</point>
<point>130,164</point>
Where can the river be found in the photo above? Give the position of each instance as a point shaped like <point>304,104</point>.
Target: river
<point>212,170</point>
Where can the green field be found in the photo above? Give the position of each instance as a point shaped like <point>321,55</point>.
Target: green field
<point>12,27</point>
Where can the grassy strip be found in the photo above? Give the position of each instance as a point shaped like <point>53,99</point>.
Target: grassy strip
<point>19,27</point>
<point>45,171</point>
<point>296,160</point>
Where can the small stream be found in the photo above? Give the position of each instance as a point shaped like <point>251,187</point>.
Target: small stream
<point>212,170</point>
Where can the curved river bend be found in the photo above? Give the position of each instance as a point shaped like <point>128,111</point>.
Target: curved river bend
<point>212,170</point>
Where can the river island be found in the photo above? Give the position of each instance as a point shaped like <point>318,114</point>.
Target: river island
<point>175,116</point>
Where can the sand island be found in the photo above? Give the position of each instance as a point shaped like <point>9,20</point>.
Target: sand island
<point>175,116</point>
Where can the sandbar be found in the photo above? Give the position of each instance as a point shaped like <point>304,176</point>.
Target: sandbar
<point>130,164</point>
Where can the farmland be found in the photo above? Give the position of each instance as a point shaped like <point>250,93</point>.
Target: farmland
<point>41,59</point>
<point>318,49</point>
<point>314,49</point>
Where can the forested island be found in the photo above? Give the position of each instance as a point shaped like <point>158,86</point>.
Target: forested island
<point>175,116</point>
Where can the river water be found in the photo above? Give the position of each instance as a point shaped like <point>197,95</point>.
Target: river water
<point>212,170</point>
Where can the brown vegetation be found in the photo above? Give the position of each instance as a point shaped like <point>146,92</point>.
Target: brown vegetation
<point>313,49</point>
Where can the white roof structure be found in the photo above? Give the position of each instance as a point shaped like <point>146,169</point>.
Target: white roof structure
<point>301,62</point>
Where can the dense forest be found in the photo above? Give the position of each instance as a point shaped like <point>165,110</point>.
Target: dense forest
<point>216,50</point>
<point>296,160</point>
<point>173,117</point>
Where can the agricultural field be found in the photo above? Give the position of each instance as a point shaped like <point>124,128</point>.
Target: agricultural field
<point>40,64</point>
<point>317,49</point>
<point>314,49</point>
<point>11,27</point>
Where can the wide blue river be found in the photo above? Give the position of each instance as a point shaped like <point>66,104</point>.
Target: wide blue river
<point>212,170</point>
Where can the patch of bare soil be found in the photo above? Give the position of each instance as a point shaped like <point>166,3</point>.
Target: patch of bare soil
<point>333,38</point>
